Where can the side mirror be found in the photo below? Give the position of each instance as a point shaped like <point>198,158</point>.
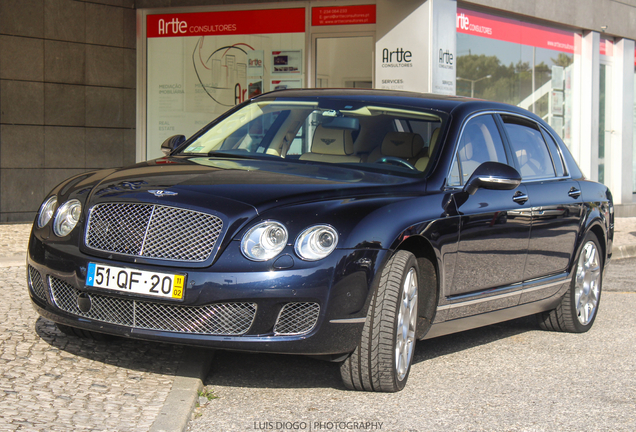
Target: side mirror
<point>493,175</point>
<point>172,143</point>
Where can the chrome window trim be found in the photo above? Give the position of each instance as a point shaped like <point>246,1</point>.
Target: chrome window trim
<point>516,291</point>
<point>491,112</point>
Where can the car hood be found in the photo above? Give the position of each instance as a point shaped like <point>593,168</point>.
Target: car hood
<point>236,185</point>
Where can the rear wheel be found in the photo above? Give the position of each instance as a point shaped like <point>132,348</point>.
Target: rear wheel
<point>84,334</point>
<point>383,357</point>
<point>579,305</point>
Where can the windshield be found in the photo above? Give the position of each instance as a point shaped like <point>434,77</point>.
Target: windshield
<point>369,136</point>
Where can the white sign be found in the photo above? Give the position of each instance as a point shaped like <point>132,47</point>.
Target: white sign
<point>255,63</point>
<point>400,54</point>
<point>443,46</point>
<point>283,84</point>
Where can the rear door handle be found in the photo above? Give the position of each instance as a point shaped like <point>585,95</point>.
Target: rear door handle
<point>574,193</point>
<point>520,198</point>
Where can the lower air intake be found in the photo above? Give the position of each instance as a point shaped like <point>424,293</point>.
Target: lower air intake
<point>297,318</point>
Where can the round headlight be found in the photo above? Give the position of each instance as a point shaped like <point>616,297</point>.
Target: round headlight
<point>316,242</point>
<point>67,216</point>
<point>264,241</point>
<point>46,211</point>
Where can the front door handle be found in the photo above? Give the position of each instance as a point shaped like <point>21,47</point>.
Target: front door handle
<point>520,197</point>
<point>574,193</point>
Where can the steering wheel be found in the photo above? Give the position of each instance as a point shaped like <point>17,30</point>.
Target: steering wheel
<point>395,161</point>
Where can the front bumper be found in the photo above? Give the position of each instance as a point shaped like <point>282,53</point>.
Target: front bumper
<point>323,304</point>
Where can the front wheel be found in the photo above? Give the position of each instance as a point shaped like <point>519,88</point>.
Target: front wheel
<point>383,357</point>
<point>579,306</point>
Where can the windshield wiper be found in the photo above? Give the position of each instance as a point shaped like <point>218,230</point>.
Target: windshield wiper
<point>232,155</point>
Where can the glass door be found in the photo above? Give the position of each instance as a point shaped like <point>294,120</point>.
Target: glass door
<point>343,61</point>
<point>605,127</point>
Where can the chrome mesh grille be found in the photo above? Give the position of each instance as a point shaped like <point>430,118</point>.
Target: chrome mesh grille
<point>152,231</point>
<point>37,285</point>
<point>297,318</point>
<point>225,319</point>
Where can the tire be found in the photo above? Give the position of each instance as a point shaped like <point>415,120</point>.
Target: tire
<point>579,306</point>
<point>84,334</point>
<point>382,360</point>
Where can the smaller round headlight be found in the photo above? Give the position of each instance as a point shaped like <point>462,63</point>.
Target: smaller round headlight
<point>46,211</point>
<point>316,242</point>
<point>67,216</point>
<point>264,241</point>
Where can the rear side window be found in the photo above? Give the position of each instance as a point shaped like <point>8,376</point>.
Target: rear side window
<point>529,148</point>
<point>556,155</point>
<point>480,142</point>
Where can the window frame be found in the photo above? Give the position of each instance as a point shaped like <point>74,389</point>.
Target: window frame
<point>541,129</point>
<point>495,117</point>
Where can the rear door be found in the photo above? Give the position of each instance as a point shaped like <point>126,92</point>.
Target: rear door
<point>554,197</point>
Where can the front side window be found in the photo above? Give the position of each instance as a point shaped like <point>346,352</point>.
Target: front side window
<point>529,148</point>
<point>480,142</point>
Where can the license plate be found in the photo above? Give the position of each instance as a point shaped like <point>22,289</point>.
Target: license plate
<point>136,281</point>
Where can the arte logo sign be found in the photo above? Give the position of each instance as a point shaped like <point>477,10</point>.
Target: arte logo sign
<point>463,22</point>
<point>399,56</point>
<point>445,59</point>
<point>172,27</point>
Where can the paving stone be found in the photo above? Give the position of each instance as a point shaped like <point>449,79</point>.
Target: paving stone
<point>50,381</point>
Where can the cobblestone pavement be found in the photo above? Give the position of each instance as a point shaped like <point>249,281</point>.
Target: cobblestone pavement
<point>53,382</point>
<point>14,239</point>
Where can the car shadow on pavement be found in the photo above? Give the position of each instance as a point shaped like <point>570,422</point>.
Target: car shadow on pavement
<point>453,343</point>
<point>238,369</point>
<point>141,356</point>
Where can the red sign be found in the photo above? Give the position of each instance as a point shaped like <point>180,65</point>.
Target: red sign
<point>343,15</point>
<point>606,48</point>
<point>264,21</point>
<point>508,30</point>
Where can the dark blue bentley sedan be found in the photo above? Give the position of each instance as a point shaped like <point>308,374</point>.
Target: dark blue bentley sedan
<point>344,224</point>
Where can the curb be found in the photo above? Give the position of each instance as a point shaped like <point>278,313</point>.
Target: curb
<point>624,251</point>
<point>188,382</point>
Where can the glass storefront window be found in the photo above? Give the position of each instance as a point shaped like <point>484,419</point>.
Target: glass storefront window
<point>519,63</point>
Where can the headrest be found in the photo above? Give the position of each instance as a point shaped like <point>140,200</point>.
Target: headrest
<point>402,144</point>
<point>332,141</point>
<point>433,141</point>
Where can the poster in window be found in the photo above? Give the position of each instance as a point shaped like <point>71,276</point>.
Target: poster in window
<point>284,84</point>
<point>255,63</point>
<point>289,61</point>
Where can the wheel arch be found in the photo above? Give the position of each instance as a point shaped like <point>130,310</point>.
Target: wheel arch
<point>428,283</point>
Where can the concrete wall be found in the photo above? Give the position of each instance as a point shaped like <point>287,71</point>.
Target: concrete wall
<point>618,15</point>
<point>67,95</point>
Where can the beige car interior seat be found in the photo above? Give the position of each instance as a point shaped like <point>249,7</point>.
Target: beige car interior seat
<point>403,145</point>
<point>331,145</point>
<point>422,162</point>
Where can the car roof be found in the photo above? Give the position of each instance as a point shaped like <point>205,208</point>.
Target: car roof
<point>444,103</point>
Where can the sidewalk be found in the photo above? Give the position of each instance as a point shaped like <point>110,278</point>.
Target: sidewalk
<point>624,238</point>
